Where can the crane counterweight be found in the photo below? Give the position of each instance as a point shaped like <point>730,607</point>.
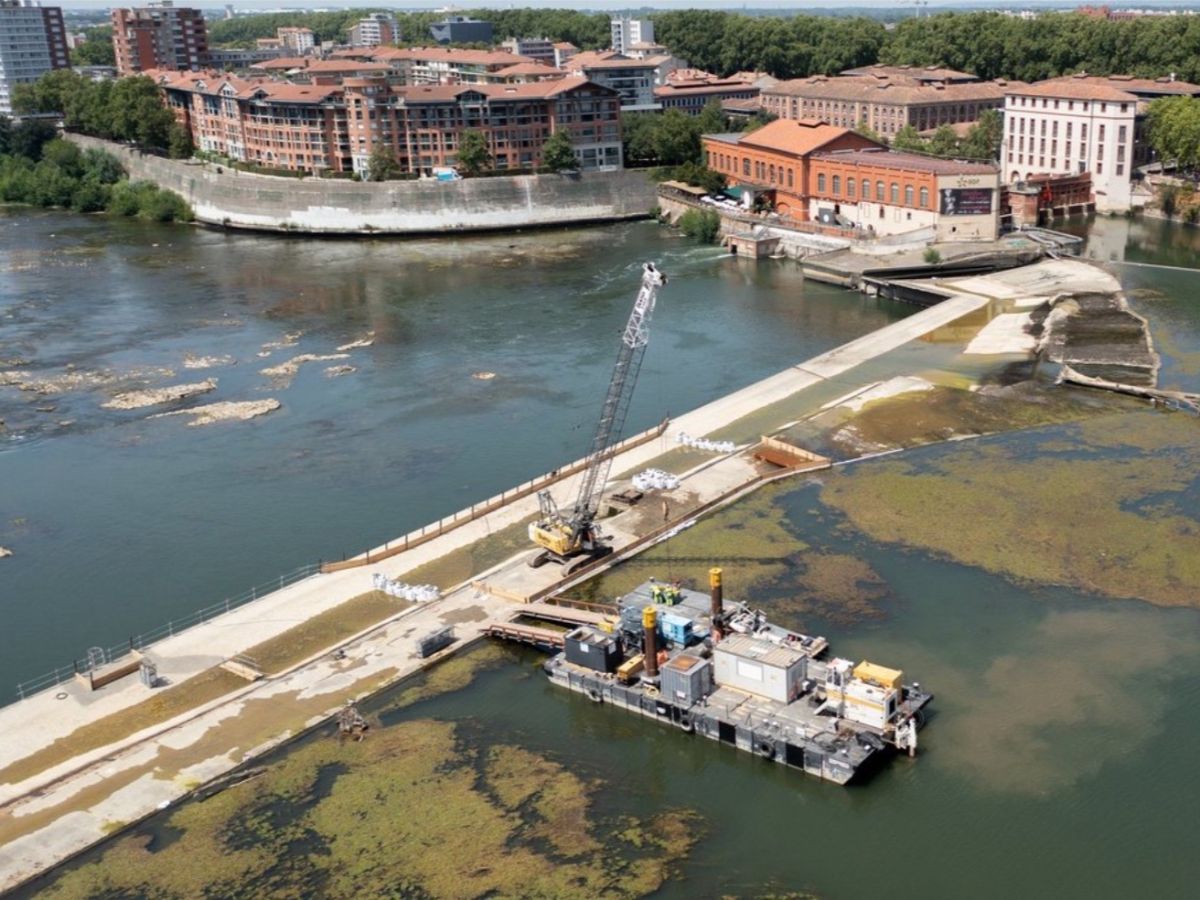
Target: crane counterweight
<point>574,539</point>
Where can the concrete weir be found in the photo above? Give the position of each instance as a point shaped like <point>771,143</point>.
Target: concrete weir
<point>66,789</point>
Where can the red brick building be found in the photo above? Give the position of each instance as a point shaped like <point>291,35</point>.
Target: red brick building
<point>776,158</point>
<point>159,36</point>
<point>336,126</point>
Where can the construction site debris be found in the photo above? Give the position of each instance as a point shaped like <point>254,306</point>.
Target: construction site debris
<point>417,593</point>
<point>704,443</point>
<point>655,480</point>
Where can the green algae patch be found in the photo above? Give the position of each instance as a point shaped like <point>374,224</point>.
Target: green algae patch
<point>158,708</point>
<point>466,562</point>
<point>451,674</point>
<point>413,810</point>
<point>324,631</point>
<point>750,539</point>
<point>944,413</point>
<point>836,587</point>
<point>1116,525</point>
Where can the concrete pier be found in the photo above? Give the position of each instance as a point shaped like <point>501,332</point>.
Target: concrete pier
<point>79,797</point>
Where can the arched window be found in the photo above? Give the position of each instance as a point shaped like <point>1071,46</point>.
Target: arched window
<point>772,172</point>
<point>837,185</point>
<point>925,197</point>
<point>895,194</point>
<point>866,189</point>
<point>908,195</point>
<point>850,188</point>
<point>821,183</point>
<point>880,189</point>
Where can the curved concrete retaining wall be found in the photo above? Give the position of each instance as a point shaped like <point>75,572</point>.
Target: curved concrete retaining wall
<point>326,206</point>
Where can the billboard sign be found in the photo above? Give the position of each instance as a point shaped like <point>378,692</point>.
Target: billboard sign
<point>966,201</point>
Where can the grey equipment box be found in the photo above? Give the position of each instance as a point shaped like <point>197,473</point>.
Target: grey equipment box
<point>686,679</point>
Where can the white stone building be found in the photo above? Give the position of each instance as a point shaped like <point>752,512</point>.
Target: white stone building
<point>1083,123</point>
<point>627,31</point>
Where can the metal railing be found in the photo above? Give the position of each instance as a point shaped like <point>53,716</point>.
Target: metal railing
<point>101,655</point>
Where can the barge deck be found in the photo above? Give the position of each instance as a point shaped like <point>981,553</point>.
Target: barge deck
<point>732,676</point>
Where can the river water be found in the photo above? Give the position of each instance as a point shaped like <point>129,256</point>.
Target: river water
<point>119,524</point>
<point>1060,759</point>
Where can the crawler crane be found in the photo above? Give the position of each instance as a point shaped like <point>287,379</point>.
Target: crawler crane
<point>573,540</point>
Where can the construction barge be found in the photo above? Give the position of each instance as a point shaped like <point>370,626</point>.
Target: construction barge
<point>727,673</point>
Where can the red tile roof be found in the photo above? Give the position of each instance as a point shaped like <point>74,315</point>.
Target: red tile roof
<point>796,136</point>
<point>896,159</point>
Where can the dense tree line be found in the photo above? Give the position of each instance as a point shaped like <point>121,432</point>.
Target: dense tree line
<point>39,168</point>
<point>97,49</point>
<point>586,30</point>
<point>127,109</point>
<point>988,44</point>
<point>993,45</point>
<point>793,47</point>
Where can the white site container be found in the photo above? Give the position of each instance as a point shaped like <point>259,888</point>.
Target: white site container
<point>759,667</point>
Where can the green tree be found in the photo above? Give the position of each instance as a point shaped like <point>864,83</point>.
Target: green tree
<point>984,137</point>
<point>1174,130</point>
<point>557,153</point>
<point>700,176</point>
<point>5,134</point>
<point>702,224</point>
<point>179,142</point>
<point>869,133</point>
<point>944,142</point>
<point>27,138</point>
<point>97,48</point>
<point>473,154</point>
<point>907,138</point>
<point>382,164</point>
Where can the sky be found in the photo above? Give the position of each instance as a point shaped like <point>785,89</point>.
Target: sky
<point>611,5</point>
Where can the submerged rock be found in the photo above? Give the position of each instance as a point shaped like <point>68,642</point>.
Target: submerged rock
<point>286,371</point>
<point>4,552</point>
<point>155,396</point>
<point>225,411</point>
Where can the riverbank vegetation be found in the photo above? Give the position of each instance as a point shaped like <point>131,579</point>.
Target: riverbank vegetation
<point>128,109</point>
<point>41,169</point>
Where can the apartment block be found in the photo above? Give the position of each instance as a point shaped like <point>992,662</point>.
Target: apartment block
<point>32,42</point>
<point>159,36</point>
<point>634,79</point>
<point>627,31</point>
<point>439,65</point>
<point>1084,123</point>
<point>376,30</point>
<point>335,127</point>
<point>538,49</point>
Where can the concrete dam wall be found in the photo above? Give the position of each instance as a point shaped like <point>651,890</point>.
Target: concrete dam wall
<point>327,206</point>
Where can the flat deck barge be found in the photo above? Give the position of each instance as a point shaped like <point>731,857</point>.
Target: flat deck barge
<point>732,676</point>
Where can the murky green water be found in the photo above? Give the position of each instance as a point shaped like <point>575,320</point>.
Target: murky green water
<point>1059,761</point>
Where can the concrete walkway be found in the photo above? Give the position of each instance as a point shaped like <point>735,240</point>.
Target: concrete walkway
<point>72,805</point>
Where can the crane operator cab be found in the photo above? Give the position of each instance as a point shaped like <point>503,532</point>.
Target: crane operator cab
<point>573,539</point>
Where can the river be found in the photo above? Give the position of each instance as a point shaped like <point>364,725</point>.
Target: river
<point>118,523</point>
<point>1059,758</point>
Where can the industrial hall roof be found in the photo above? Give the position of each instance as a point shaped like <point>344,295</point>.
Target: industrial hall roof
<point>868,89</point>
<point>798,137</point>
<point>1117,88</point>
<point>913,162</point>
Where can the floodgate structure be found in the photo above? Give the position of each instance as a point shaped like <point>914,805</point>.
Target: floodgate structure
<point>729,674</point>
